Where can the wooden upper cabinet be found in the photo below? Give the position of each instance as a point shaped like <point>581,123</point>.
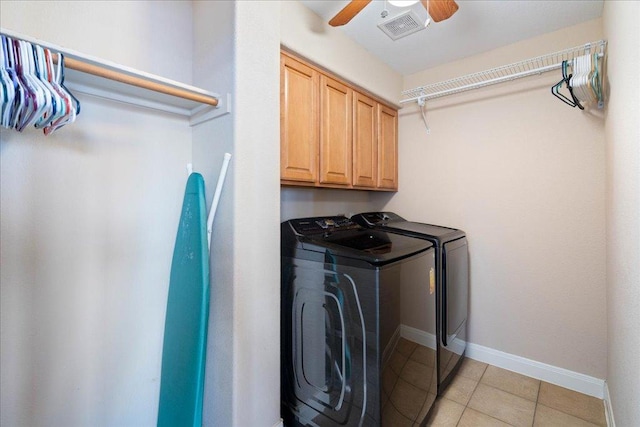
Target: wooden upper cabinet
<point>387,148</point>
<point>331,134</point>
<point>299,117</point>
<point>365,156</point>
<point>335,132</point>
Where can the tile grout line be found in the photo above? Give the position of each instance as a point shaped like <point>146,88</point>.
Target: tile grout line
<point>474,390</point>
<point>535,411</point>
<point>536,401</point>
<point>563,412</point>
<point>390,402</point>
<point>512,394</point>
<point>504,391</point>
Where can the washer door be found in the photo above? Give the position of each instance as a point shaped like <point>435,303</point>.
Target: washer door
<point>328,347</point>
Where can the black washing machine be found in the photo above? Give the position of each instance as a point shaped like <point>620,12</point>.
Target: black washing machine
<point>358,325</point>
<point>452,279</point>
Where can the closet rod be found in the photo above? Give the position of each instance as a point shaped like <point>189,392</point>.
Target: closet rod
<point>78,65</point>
<point>120,74</point>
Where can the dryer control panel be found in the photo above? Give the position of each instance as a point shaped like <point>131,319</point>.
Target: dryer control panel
<point>377,218</point>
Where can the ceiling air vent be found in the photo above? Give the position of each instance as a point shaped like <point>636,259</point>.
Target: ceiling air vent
<point>402,25</point>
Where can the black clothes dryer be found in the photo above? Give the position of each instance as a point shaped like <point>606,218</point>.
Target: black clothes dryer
<point>357,325</point>
<point>452,284</point>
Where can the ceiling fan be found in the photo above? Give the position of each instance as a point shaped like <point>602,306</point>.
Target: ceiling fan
<point>438,10</point>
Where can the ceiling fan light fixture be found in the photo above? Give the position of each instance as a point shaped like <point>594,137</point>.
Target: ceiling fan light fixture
<point>403,3</point>
<point>443,9</point>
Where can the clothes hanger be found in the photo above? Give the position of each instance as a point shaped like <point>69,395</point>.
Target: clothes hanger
<point>4,97</point>
<point>571,88</point>
<point>72,102</point>
<point>65,101</point>
<point>14,109</point>
<point>594,83</point>
<point>596,79</point>
<point>555,89</point>
<point>586,78</point>
<point>30,95</point>
<point>576,65</point>
<point>75,100</point>
<point>585,91</point>
<point>39,77</point>
<point>55,101</point>
<point>32,89</point>
<point>43,96</point>
<point>37,94</point>
<point>25,99</point>
<point>7,98</point>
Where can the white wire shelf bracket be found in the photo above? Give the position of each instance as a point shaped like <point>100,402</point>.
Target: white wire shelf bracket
<point>533,66</point>
<point>108,80</point>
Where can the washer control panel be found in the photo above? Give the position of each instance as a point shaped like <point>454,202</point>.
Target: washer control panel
<point>325,224</point>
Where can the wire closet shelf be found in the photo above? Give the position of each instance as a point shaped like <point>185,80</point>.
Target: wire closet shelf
<point>538,65</point>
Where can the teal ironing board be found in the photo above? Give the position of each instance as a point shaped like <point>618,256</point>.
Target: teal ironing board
<point>185,329</point>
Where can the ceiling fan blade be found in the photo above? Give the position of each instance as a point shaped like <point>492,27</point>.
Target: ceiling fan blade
<point>439,10</point>
<point>348,12</point>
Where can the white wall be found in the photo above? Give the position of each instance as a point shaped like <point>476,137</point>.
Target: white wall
<point>305,33</point>
<point>306,202</point>
<point>523,174</point>
<point>237,51</point>
<point>623,210</point>
<point>309,35</point>
<point>256,241</point>
<point>213,69</point>
<point>88,219</point>
<point>133,33</point>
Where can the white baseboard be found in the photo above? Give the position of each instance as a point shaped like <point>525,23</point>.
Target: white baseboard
<point>608,409</point>
<point>416,335</point>
<point>563,377</point>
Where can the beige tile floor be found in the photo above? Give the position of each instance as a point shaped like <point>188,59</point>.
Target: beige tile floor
<point>483,395</point>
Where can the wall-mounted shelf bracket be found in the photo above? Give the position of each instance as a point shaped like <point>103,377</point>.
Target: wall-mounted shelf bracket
<point>204,113</point>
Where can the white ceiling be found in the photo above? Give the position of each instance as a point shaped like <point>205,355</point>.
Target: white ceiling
<point>477,26</point>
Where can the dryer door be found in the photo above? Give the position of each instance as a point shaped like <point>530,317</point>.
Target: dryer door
<point>455,295</point>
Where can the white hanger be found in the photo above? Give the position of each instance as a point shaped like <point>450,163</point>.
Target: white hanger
<point>55,100</point>
<point>31,89</point>
<point>19,103</point>
<point>70,115</point>
<point>42,103</point>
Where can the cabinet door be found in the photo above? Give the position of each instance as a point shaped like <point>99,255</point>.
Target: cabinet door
<point>299,117</point>
<point>387,148</point>
<point>335,132</point>
<point>365,156</point>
